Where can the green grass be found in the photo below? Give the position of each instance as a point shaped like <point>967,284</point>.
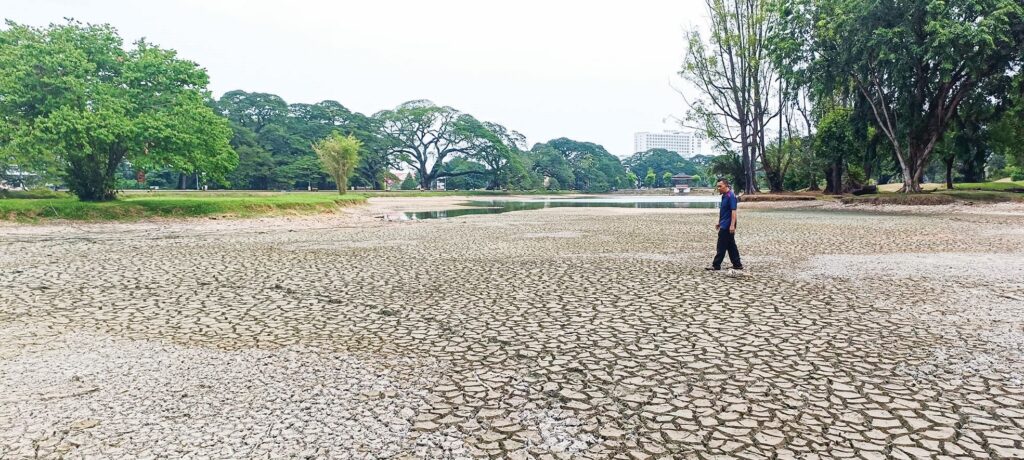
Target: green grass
<point>33,194</point>
<point>983,196</point>
<point>938,197</point>
<point>134,206</point>
<point>991,186</point>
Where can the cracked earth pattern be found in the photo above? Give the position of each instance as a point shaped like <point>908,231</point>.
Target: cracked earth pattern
<point>563,333</point>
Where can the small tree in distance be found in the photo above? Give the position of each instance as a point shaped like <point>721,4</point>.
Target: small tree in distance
<point>410,182</point>
<point>339,156</point>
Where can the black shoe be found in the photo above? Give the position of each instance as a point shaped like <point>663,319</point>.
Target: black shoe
<point>712,269</point>
<point>737,268</point>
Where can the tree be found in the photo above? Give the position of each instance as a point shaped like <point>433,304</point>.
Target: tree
<point>666,179</point>
<point>74,98</point>
<point>1005,135</point>
<point>650,178</point>
<point>375,161</point>
<point>410,182</point>
<point>730,166</point>
<point>662,162</point>
<point>916,62</point>
<point>833,145</point>
<point>255,111</point>
<point>548,162</point>
<point>461,179</point>
<point>256,169</point>
<point>338,155</point>
<point>499,149</point>
<point>424,135</point>
<point>308,169</point>
<point>631,179</point>
<point>735,80</point>
<point>593,168</point>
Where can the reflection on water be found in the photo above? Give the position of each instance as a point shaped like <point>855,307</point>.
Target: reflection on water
<point>501,206</point>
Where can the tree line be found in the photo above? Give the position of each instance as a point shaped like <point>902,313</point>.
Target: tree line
<point>847,92</point>
<point>80,107</point>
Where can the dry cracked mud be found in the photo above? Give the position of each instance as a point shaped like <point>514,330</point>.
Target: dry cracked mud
<point>562,333</point>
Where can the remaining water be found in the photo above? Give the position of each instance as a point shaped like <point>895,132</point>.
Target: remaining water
<point>501,206</point>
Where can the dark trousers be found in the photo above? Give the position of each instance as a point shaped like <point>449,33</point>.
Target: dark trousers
<point>726,243</point>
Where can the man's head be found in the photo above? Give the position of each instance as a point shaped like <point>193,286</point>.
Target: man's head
<point>723,185</point>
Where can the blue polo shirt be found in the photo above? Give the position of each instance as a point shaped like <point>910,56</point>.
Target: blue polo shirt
<point>729,204</point>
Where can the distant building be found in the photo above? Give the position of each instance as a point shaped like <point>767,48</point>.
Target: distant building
<point>684,143</point>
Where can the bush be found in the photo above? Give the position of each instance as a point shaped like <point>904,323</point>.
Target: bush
<point>1016,173</point>
<point>410,182</point>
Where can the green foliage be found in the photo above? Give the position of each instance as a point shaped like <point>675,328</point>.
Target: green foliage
<point>463,174</point>
<point>274,141</point>
<point>591,167</point>
<point>546,161</point>
<point>140,205</point>
<point>424,136</point>
<point>253,111</point>
<point>410,182</point>
<point>729,166</point>
<point>650,178</point>
<point>663,162</point>
<point>632,179</point>
<point>338,157</point>
<point>834,144</point>
<point>915,62</point>
<point>76,101</point>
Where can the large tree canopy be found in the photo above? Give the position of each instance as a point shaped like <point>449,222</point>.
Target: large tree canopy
<point>425,136</point>
<point>593,168</point>
<point>274,138</point>
<point>75,99</point>
<point>915,62</point>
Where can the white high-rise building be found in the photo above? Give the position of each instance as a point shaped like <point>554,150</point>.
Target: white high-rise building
<point>684,143</point>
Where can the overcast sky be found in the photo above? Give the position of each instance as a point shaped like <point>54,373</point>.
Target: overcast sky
<point>591,71</point>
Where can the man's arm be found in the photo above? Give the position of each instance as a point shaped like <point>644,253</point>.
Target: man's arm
<point>732,223</point>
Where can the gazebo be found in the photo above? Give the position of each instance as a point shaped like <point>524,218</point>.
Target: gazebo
<point>681,180</point>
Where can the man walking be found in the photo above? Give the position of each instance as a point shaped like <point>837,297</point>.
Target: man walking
<point>726,227</point>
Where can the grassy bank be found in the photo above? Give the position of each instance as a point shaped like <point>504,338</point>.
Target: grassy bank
<point>938,197</point>
<point>991,186</point>
<point>1004,185</point>
<point>133,206</point>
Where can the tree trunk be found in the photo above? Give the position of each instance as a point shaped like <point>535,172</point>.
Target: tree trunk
<point>834,178</point>
<point>775,181</point>
<point>181,181</point>
<point>949,172</point>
